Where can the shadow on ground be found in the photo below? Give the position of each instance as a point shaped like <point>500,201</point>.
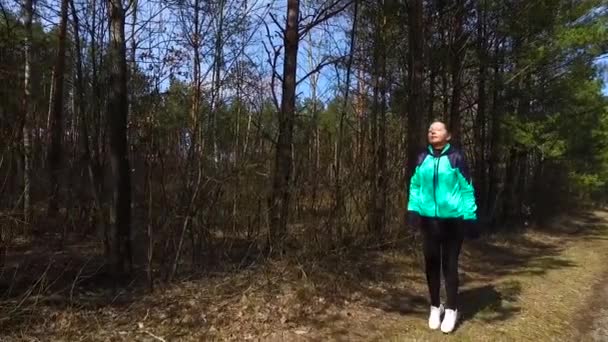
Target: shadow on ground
<point>489,303</point>
<point>397,285</point>
<point>388,280</point>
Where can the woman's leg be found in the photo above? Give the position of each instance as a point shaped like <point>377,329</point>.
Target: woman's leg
<point>450,251</point>
<point>431,247</point>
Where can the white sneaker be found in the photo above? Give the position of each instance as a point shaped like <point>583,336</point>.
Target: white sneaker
<point>435,317</point>
<point>449,321</point>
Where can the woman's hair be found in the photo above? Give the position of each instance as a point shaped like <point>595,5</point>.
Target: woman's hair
<point>441,121</point>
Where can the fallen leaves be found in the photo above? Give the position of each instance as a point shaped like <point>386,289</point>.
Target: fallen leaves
<point>276,303</point>
<point>301,331</point>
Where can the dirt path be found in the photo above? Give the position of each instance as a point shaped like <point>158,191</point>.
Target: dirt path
<point>593,317</point>
<point>524,287</point>
<point>593,321</point>
<point>597,329</point>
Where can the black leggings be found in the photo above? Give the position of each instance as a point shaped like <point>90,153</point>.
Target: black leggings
<point>442,241</point>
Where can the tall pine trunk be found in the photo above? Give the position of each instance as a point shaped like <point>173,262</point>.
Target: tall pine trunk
<point>480,124</point>
<point>382,177</point>
<point>56,122</point>
<point>120,214</point>
<point>494,173</point>
<point>415,83</point>
<point>338,196</point>
<point>218,64</point>
<point>279,206</point>
<point>416,101</point>
<point>197,136</point>
<point>457,56</point>
<point>378,169</point>
<point>86,162</point>
<point>28,14</point>
<point>98,139</point>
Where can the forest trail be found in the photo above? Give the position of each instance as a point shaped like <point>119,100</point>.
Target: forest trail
<point>520,287</point>
<point>595,321</point>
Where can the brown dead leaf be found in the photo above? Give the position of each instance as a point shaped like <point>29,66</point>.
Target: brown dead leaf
<point>301,331</point>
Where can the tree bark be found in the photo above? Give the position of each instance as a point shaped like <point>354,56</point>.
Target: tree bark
<point>415,84</point>
<point>495,139</point>
<point>56,122</point>
<point>97,140</point>
<point>28,14</point>
<point>373,151</point>
<point>457,57</point>
<point>378,170</point>
<point>480,126</point>
<point>431,97</point>
<point>218,64</point>
<point>338,198</point>
<point>313,130</point>
<point>382,177</point>
<point>197,136</point>
<point>85,158</point>
<point>120,214</point>
<point>279,207</point>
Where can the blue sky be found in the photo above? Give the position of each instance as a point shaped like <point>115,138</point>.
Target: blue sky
<point>602,65</point>
<point>328,40</point>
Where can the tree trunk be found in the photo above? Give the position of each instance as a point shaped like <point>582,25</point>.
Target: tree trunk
<point>28,13</point>
<point>86,161</point>
<point>56,122</point>
<point>120,214</point>
<point>431,98</point>
<point>313,131</point>
<point>457,54</point>
<point>382,177</point>
<point>480,126</point>
<point>378,170</point>
<point>97,141</point>
<point>217,81</point>
<point>338,198</point>
<point>279,207</point>
<point>132,58</point>
<point>517,157</point>
<point>415,84</point>
<point>360,109</point>
<point>373,151</point>
<point>197,136</point>
<point>495,140</point>
<point>132,64</point>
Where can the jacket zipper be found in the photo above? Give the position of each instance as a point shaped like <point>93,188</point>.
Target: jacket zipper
<point>436,184</point>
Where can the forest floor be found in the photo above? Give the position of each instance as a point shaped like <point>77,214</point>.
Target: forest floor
<point>540,285</point>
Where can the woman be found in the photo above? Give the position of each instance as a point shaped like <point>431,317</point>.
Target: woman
<point>442,204</point>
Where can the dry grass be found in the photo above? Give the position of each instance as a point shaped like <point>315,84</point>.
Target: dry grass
<point>514,288</point>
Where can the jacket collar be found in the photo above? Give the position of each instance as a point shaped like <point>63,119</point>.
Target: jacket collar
<point>446,148</point>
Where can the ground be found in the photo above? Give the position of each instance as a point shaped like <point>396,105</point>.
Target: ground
<point>547,284</point>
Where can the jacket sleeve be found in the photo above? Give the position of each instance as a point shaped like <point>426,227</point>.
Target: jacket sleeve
<point>467,192</point>
<point>413,203</point>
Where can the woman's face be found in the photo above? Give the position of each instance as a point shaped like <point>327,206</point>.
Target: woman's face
<point>438,135</point>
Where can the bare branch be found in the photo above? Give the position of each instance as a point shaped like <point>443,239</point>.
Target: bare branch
<point>5,15</point>
<point>326,13</point>
<point>319,67</point>
<point>276,22</point>
<point>272,60</point>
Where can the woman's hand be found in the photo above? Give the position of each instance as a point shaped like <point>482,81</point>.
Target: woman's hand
<point>413,219</point>
<point>471,229</point>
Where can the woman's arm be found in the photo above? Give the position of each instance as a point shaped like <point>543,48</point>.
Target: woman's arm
<point>468,207</point>
<point>413,203</point>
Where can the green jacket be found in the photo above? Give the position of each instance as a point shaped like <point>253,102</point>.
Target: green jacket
<point>441,186</point>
